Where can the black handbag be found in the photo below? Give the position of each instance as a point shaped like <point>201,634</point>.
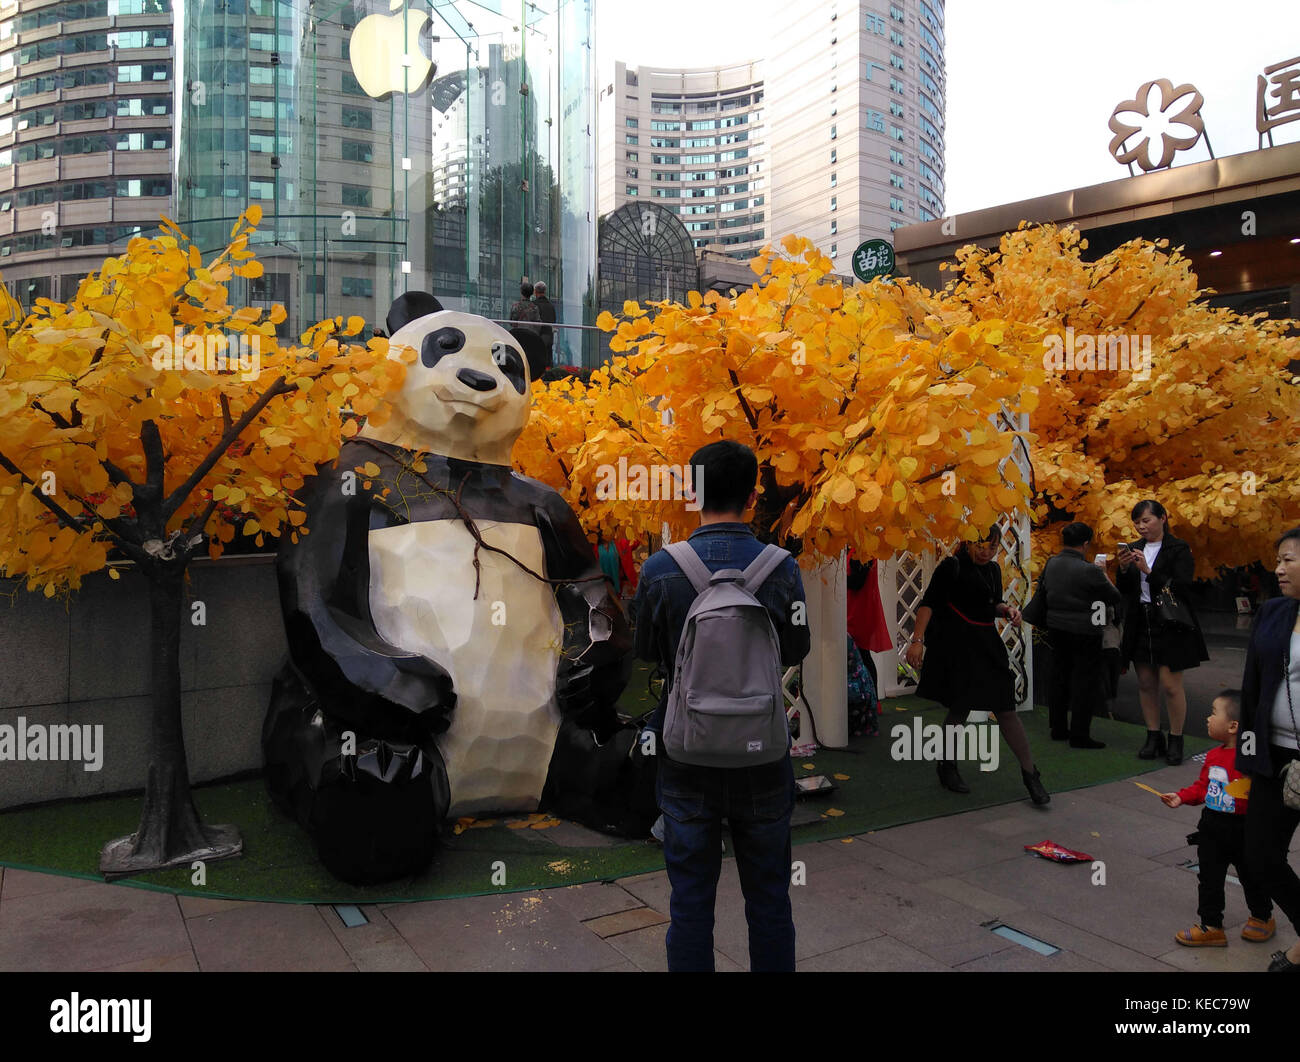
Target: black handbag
<point>1035,613</point>
<point>1171,611</point>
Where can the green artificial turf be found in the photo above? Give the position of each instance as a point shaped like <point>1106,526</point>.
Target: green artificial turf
<point>279,863</point>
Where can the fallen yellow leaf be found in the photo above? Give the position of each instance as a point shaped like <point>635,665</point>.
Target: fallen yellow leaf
<point>834,812</point>
<point>840,777</point>
<point>809,766</point>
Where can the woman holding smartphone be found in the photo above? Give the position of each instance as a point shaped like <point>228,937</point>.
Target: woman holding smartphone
<point>1160,652</point>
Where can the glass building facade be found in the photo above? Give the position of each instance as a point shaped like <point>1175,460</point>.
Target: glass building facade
<point>394,145</point>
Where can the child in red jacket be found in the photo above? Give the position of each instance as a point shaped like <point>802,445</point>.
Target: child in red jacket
<point>1221,834</point>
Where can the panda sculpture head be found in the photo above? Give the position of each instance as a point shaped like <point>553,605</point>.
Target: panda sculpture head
<point>467,393</point>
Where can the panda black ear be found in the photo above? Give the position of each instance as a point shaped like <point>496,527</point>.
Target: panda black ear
<point>539,358</point>
<point>411,307</point>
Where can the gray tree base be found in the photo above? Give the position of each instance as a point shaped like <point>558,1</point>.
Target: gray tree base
<point>119,858</point>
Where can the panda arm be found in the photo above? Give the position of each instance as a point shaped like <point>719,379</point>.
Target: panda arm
<point>324,594</point>
<point>597,661</point>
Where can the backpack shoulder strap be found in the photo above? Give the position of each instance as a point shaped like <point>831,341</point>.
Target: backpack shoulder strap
<point>762,566</point>
<point>689,562</point>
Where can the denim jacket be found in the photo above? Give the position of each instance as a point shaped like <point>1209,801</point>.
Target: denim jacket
<point>664,596</point>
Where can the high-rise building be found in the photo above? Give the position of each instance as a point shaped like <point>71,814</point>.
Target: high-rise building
<point>444,148</point>
<point>842,126</point>
<point>691,141</point>
<point>86,135</point>
<point>856,118</point>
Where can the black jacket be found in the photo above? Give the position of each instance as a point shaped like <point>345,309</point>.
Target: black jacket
<point>1260,681</point>
<point>1177,649</point>
<point>1073,587</point>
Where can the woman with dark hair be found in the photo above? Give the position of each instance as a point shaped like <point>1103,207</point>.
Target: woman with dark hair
<point>1268,741</point>
<point>1160,651</point>
<point>966,665</point>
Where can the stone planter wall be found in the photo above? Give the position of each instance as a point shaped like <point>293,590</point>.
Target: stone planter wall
<point>86,662</point>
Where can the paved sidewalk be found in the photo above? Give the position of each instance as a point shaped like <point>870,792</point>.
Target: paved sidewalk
<point>917,897</point>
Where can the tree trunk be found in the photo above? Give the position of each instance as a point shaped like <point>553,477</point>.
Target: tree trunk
<point>170,832</point>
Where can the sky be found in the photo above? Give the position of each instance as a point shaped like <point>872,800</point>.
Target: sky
<point>1031,83</point>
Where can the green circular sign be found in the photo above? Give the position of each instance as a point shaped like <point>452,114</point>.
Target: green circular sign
<point>875,258</point>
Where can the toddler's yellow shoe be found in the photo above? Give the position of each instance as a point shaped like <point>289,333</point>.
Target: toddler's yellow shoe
<point>1201,936</point>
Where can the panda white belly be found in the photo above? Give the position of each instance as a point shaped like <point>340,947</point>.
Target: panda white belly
<point>502,650</point>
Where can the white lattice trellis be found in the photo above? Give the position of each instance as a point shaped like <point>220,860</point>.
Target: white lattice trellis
<point>903,580</point>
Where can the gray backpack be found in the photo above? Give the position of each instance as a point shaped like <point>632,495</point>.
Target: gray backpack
<point>726,708</point>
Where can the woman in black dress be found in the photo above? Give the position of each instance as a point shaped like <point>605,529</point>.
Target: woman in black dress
<point>1160,653</point>
<point>966,664</point>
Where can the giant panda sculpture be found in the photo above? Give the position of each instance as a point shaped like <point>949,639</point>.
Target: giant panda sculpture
<point>453,646</point>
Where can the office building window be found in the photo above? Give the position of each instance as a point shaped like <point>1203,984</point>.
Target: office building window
<point>835,202</point>
<point>833,158</point>
<point>834,133</point>
<point>895,85</point>
<point>895,12</point>
<point>896,61</point>
<point>834,180</point>
<point>895,204</point>
<point>896,157</point>
<point>896,109</point>
<point>630,139</point>
<point>895,132</point>
<point>834,227</point>
<point>632,123</point>
<point>896,38</point>
<point>896,180</point>
<point>632,156</point>
<point>835,250</point>
<point>631,189</point>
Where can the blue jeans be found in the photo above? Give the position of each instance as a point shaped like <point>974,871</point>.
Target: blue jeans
<point>756,802</point>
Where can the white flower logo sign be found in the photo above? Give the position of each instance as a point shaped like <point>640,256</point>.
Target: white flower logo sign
<point>1173,124</point>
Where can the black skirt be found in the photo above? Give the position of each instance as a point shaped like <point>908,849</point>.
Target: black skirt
<point>966,666</point>
<point>1148,641</point>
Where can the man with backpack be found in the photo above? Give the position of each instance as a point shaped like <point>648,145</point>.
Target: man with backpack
<point>725,614</point>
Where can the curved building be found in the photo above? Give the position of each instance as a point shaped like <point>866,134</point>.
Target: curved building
<point>836,135</point>
<point>86,107</point>
<point>407,146</point>
<point>691,141</point>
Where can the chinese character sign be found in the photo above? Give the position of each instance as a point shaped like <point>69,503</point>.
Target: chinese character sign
<point>1277,98</point>
<point>875,258</point>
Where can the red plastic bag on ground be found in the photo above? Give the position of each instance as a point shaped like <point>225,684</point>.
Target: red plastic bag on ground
<point>1058,854</point>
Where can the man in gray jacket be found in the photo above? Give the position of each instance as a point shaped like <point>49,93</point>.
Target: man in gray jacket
<point>1077,594</point>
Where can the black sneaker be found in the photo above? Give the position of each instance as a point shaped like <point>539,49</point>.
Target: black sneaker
<point>1037,791</point>
<point>1154,747</point>
<point>1281,964</point>
<point>1175,754</point>
<point>949,777</point>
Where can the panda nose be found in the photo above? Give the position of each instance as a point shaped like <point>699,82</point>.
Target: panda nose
<point>480,381</point>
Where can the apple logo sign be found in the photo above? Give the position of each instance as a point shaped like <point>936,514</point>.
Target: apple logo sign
<point>380,58</point>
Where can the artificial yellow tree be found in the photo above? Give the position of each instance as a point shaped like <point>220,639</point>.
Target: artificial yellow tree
<point>151,418</point>
<point>1209,426</point>
<point>874,418</point>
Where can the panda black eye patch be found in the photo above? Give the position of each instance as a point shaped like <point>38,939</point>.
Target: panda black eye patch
<point>511,364</point>
<point>439,344</point>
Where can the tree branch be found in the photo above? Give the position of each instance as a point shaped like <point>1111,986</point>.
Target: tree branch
<point>65,518</point>
<point>178,496</point>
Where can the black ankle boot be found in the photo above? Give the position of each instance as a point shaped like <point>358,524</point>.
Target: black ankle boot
<point>1037,791</point>
<point>1175,754</point>
<point>1154,747</point>
<point>949,777</point>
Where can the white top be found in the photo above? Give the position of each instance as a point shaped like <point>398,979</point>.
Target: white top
<point>1150,551</point>
<point>1284,732</point>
